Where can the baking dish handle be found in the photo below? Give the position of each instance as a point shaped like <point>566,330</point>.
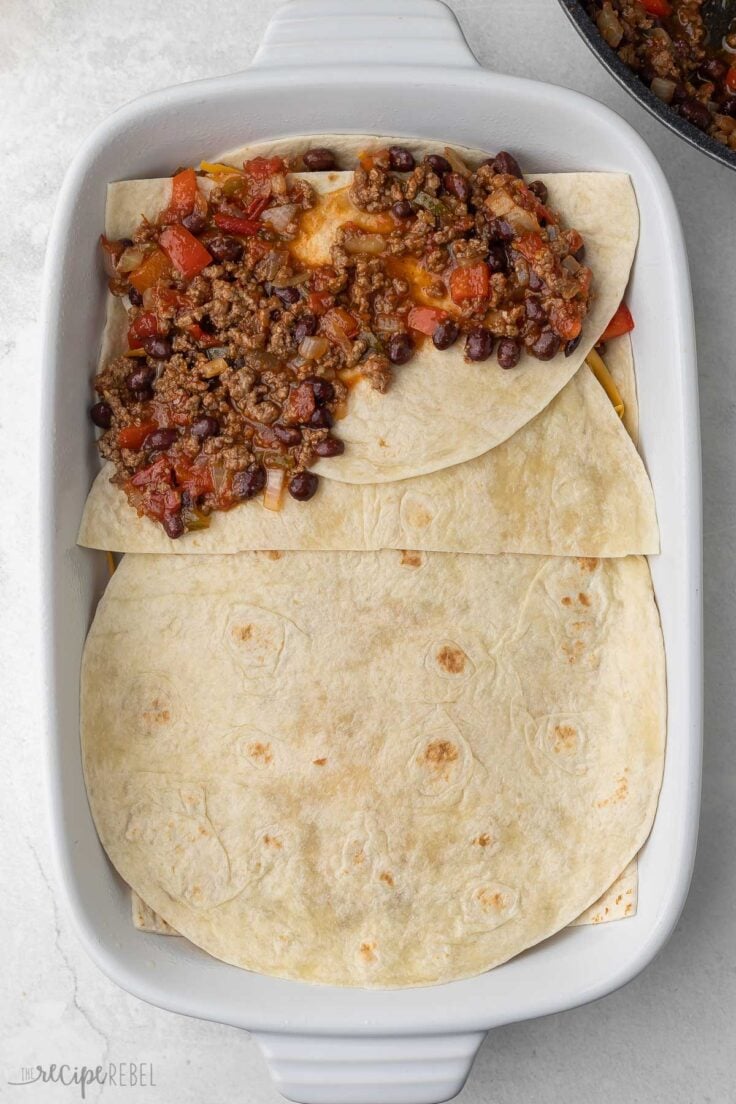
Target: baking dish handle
<point>364,32</point>
<point>398,1069</point>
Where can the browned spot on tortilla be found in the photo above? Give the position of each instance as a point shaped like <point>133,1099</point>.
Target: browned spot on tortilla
<point>629,909</point>
<point>274,555</point>
<point>367,952</point>
<point>319,762</point>
<point>619,794</point>
<point>491,902</point>
<point>359,857</point>
<point>438,755</point>
<point>565,737</point>
<point>382,443</point>
<point>566,601</point>
<point>583,599</point>
<point>452,659</point>
<point>587,563</point>
<point>619,899</point>
<point>411,559</point>
<point>387,877</point>
<point>242,632</point>
<point>261,752</point>
<point>581,626</point>
<point>273,841</point>
<point>157,713</point>
<point>483,840</point>
<point>572,652</point>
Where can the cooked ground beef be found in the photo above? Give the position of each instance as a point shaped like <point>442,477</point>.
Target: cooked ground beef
<point>240,359</point>
<point>666,43</point>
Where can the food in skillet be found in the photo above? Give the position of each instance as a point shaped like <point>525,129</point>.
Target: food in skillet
<point>217,417</point>
<point>666,43</point>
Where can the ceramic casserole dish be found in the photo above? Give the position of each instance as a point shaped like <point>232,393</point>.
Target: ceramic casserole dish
<point>397,67</point>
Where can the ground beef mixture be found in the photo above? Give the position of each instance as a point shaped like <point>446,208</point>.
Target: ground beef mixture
<point>666,43</point>
<point>241,359</point>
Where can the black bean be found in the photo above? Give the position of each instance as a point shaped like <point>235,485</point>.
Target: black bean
<point>206,324</point>
<point>712,69</point>
<point>303,486</point>
<point>306,327</point>
<point>157,347</point>
<point>290,435</point>
<point>446,334</point>
<point>439,164</point>
<point>456,184</point>
<point>331,446</point>
<point>535,284</point>
<point>400,159</point>
<point>288,295</point>
<point>194,223</point>
<point>579,253</point>
<point>127,242</point>
<point>400,348</point>
<point>500,230</point>
<point>321,419</point>
<point>546,346</point>
<point>503,162</point>
<point>680,94</point>
<point>324,391</point>
<point>224,248</point>
<point>173,525</point>
<point>572,345</point>
<point>696,113</point>
<point>534,309</point>
<point>144,395</point>
<point>135,296</point>
<point>728,106</point>
<point>497,260</point>
<point>207,426</point>
<point>319,159</point>
<point>402,209</point>
<point>479,344</point>
<point>141,378</point>
<point>249,483</point>
<point>508,352</point>
<point>540,190</point>
<point>101,414</point>
<point>160,440</point>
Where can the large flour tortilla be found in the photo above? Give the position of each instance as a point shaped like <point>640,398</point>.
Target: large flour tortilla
<point>568,483</point>
<point>380,769</point>
<point>441,410</point>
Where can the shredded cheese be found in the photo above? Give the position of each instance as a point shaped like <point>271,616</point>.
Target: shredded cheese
<point>598,367</point>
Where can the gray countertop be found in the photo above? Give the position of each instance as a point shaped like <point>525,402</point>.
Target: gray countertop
<point>64,65</point>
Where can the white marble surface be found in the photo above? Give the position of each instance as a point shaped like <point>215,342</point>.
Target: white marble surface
<point>64,65</point>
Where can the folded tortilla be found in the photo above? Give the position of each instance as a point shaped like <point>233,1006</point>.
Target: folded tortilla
<point>441,410</point>
<point>390,769</point>
<point>569,483</point>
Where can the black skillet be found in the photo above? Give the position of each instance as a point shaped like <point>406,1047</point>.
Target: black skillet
<point>715,13</point>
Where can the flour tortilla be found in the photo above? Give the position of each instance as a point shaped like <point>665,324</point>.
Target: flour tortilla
<point>568,483</point>
<point>375,769</point>
<point>441,410</point>
<point>618,356</point>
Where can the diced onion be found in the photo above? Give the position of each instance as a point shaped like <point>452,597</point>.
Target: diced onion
<point>521,221</point>
<point>364,243</point>
<point>571,264</point>
<point>610,27</point>
<point>272,262</point>
<point>664,89</point>
<point>388,323</point>
<point>458,166</point>
<point>280,218</point>
<point>312,348</point>
<point>293,280</point>
<point>278,184</point>
<point>499,202</point>
<point>131,258</point>
<point>275,479</point>
<point>219,477</point>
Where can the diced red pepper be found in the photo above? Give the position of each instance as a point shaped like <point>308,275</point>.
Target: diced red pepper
<point>261,168</point>
<point>621,323</point>
<point>339,320</point>
<point>145,325</point>
<point>232,224</point>
<point>132,437</point>
<point>155,266</point>
<point>196,332</point>
<point>530,246</point>
<point>195,478</point>
<point>319,302</point>
<point>660,8</point>
<point>470,282</point>
<point>731,79</point>
<point>183,196</point>
<point>565,319</point>
<point>186,253</point>
<point>425,319</point>
<point>257,206</point>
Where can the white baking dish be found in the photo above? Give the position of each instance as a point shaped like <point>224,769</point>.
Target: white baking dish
<point>395,67</point>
